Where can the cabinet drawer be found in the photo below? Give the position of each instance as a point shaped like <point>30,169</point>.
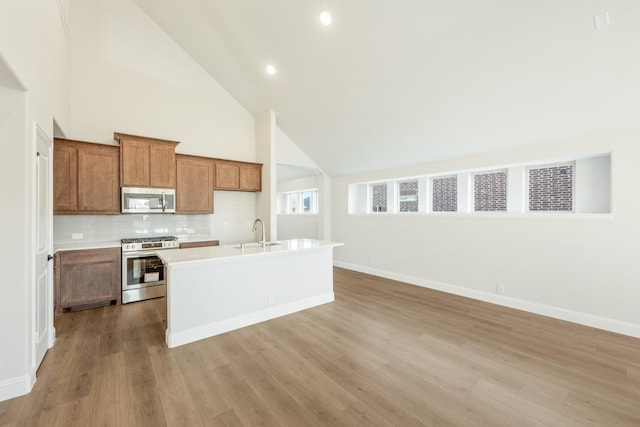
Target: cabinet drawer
<point>89,256</point>
<point>187,245</point>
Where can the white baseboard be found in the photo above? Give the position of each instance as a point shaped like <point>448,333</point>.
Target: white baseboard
<point>15,387</point>
<point>19,386</point>
<point>222,326</point>
<point>586,319</point>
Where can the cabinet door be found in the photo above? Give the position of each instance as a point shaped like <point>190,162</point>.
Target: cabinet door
<point>251,177</point>
<point>89,277</point>
<point>98,186</point>
<point>135,163</point>
<point>194,192</point>
<point>206,243</point>
<point>227,176</point>
<point>65,178</point>
<point>162,166</point>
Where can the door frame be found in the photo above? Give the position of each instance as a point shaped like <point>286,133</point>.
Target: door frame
<point>39,133</point>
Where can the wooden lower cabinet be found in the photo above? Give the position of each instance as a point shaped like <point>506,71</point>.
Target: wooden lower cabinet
<point>87,277</point>
<point>187,245</point>
<point>194,184</point>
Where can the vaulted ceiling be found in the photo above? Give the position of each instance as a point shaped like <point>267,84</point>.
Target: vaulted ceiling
<point>392,83</point>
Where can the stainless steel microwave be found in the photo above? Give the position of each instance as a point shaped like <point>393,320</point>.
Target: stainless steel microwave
<point>148,200</point>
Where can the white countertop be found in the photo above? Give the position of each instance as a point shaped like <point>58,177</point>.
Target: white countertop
<point>172,257</point>
<point>82,245</point>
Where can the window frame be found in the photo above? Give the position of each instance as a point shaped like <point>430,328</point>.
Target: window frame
<point>587,199</point>
<point>473,190</point>
<point>399,197</point>
<point>389,200</point>
<point>284,198</point>
<point>432,193</point>
<point>527,183</point>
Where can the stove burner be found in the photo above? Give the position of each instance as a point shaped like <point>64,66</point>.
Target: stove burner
<point>149,239</point>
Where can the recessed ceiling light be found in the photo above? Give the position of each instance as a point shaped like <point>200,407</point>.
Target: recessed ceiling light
<point>325,18</point>
<point>271,70</point>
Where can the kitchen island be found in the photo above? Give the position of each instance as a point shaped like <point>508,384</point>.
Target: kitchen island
<point>212,290</point>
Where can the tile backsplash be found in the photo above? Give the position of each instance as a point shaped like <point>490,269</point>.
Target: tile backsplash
<point>231,223</point>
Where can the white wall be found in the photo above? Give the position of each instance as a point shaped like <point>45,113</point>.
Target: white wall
<point>34,55</point>
<point>299,184</point>
<point>34,45</point>
<point>300,226</point>
<point>266,154</point>
<point>289,154</point>
<point>593,184</point>
<point>127,75</point>
<point>14,258</point>
<point>581,268</point>
<point>297,227</point>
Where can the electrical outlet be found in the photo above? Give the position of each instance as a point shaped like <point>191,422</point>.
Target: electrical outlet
<point>77,236</point>
<point>601,21</point>
<point>272,298</point>
<point>500,288</point>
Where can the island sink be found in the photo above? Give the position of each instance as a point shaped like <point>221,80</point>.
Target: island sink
<point>255,245</point>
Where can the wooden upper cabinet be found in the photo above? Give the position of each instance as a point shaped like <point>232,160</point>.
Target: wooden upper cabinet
<point>251,177</point>
<point>135,163</point>
<point>86,178</point>
<point>194,192</point>
<point>238,176</point>
<point>227,176</point>
<point>147,162</point>
<point>162,160</point>
<point>98,186</point>
<point>65,177</point>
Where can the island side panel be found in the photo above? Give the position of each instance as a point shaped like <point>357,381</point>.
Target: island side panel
<point>208,298</point>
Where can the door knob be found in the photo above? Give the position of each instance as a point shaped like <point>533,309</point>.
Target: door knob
<point>49,257</point>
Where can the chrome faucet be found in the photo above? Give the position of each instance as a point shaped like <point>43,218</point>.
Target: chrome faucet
<point>255,227</point>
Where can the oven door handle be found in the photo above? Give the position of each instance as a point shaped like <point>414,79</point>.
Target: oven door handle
<point>138,254</point>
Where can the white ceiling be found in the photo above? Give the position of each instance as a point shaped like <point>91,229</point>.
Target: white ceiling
<point>392,83</point>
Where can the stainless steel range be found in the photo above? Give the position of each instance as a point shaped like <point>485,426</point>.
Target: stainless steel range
<point>142,270</point>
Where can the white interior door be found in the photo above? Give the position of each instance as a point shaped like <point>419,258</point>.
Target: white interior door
<point>43,292</point>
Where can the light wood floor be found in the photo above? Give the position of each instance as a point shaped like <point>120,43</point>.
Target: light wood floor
<point>384,353</point>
